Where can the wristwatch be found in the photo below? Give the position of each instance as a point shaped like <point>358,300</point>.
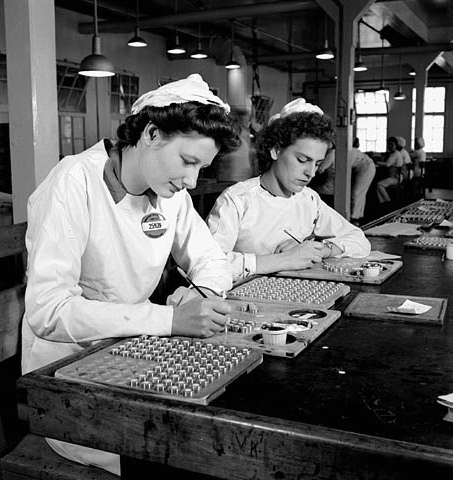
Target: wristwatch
<point>329,245</point>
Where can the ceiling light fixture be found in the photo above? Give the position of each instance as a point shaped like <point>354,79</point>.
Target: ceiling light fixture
<point>232,64</point>
<point>199,53</point>
<point>96,64</point>
<point>399,95</point>
<point>175,47</point>
<point>325,53</point>
<point>382,88</point>
<point>136,40</point>
<point>412,73</point>
<point>359,66</point>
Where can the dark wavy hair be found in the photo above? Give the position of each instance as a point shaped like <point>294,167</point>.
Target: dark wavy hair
<point>283,132</point>
<point>176,118</point>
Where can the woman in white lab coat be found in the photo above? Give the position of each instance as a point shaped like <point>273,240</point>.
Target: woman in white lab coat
<point>103,223</point>
<point>254,221</point>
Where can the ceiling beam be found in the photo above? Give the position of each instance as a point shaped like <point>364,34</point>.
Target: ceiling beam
<point>406,14</point>
<point>219,14</point>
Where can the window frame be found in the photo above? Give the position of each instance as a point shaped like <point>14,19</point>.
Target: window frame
<point>429,115</point>
<point>379,145</point>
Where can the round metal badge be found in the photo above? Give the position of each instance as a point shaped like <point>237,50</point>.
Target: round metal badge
<point>154,225</point>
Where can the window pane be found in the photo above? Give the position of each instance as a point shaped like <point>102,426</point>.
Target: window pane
<point>372,133</point>
<point>433,133</point>
<point>371,102</point>
<point>71,89</point>
<point>123,93</point>
<point>434,99</point>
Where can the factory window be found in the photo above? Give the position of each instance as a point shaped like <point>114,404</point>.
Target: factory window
<point>371,119</point>
<point>71,88</point>
<point>434,118</point>
<point>123,93</point>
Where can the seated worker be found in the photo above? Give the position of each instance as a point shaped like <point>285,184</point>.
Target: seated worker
<point>418,156</point>
<point>407,161</point>
<point>249,218</point>
<point>393,162</point>
<point>102,225</point>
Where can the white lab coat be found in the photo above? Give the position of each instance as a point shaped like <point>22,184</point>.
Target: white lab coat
<point>91,269</point>
<point>247,221</point>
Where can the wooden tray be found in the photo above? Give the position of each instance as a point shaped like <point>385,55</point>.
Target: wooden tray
<point>316,320</point>
<point>150,364</point>
<point>374,307</point>
<point>349,270</point>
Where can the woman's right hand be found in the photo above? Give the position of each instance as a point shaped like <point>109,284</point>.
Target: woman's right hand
<point>200,317</point>
<point>299,256</point>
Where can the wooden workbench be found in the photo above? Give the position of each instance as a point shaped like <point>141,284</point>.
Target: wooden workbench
<point>358,403</point>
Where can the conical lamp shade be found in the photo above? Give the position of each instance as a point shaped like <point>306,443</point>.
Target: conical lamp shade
<point>96,65</point>
<point>360,66</point>
<point>325,54</point>
<point>232,65</point>
<point>199,53</point>
<point>137,40</point>
<point>176,48</point>
<point>399,95</point>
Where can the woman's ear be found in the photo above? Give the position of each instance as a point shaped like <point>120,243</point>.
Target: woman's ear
<point>273,153</point>
<point>150,134</point>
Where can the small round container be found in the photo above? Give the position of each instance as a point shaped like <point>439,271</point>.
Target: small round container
<point>274,336</point>
<point>371,269</point>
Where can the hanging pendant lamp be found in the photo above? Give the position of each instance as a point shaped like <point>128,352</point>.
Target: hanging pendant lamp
<point>176,48</point>
<point>232,64</point>
<point>96,64</point>
<point>359,66</point>
<point>325,53</point>
<point>399,95</point>
<point>199,53</point>
<point>137,40</point>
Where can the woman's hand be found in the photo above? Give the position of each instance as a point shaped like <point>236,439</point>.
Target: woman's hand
<point>296,256</point>
<point>200,317</point>
<point>182,295</point>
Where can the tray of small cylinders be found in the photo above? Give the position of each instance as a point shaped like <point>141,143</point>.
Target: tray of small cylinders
<point>186,369</point>
<point>289,291</point>
<point>429,242</point>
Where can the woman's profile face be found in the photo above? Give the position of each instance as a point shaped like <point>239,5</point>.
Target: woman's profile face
<point>168,165</point>
<point>296,165</point>
<point>391,146</point>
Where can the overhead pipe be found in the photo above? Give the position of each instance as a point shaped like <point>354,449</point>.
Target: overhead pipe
<point>434,47</point>
<point>184,18</point>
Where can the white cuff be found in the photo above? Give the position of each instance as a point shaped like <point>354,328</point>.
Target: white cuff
<point>249,265</point>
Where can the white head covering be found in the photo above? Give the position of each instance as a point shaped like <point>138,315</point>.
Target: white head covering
<point>296,106</point>
<point>190,89</point>
<point>401,141</point>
